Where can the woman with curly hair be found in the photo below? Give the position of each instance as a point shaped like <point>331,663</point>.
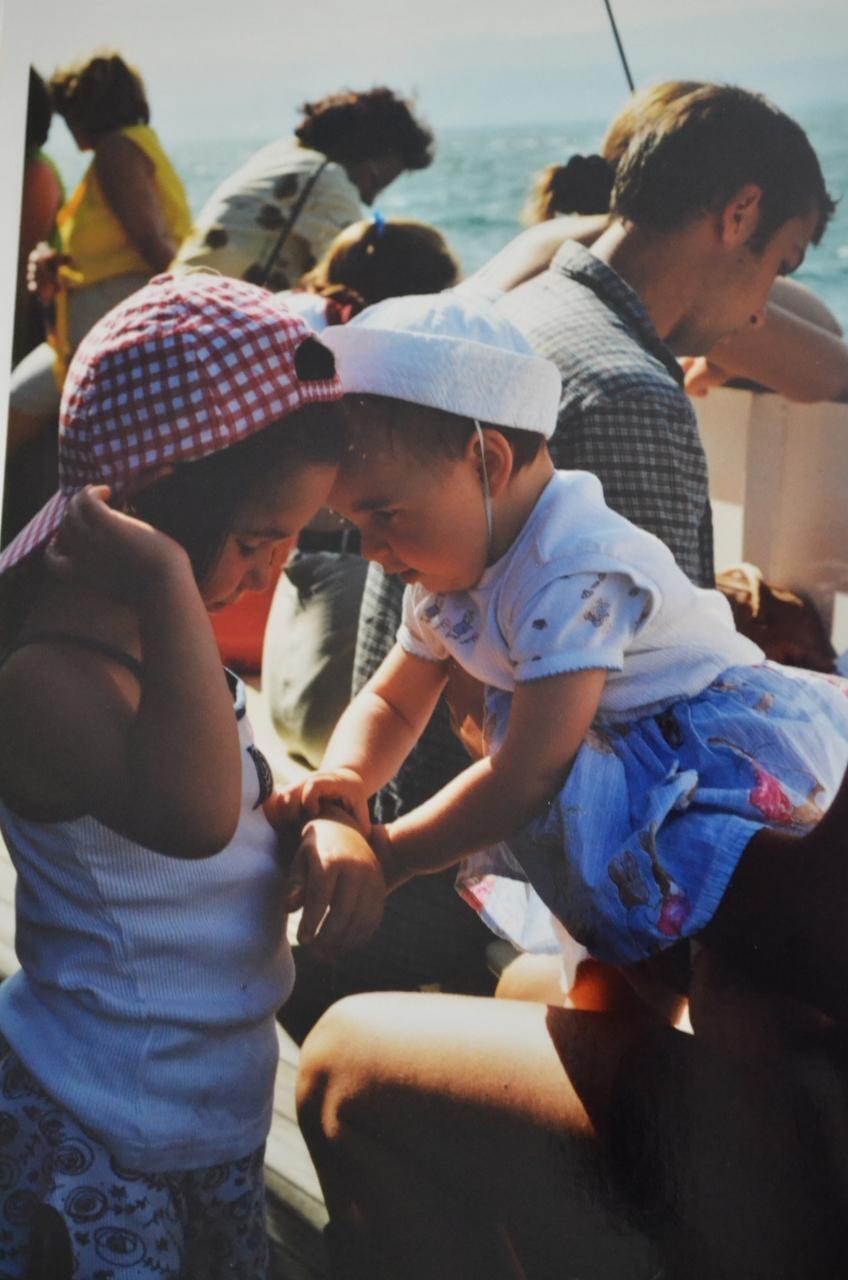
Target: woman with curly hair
<point>272,219</point>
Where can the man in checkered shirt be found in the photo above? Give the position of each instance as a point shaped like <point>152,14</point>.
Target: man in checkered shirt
<point>624,414</point>
<point>709,205</point>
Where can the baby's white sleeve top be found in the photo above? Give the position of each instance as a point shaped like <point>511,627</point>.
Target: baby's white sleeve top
<point>582,588</point>
<point>573,622</point>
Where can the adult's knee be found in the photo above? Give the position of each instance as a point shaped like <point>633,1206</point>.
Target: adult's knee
<point>333,1074</point>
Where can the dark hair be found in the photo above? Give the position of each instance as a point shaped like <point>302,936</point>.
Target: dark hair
<point>39,112</point>
<point>352,126</point>
<point>196,504</point>
<point>582,185</point>
<point>199,515</point>
<point>704,148</point>
<point>446,435</point>
<point>376,259</point>
<point>100,94</point>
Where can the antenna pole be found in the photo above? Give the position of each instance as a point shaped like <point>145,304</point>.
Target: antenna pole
<point>621,52</point>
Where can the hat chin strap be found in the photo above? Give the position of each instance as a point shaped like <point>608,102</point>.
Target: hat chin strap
<point>487,492</point>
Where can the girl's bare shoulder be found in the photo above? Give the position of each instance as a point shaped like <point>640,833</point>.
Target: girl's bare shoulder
<point>65,710</point>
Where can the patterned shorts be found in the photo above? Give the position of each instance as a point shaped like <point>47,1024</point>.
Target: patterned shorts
<point>69,1211</point>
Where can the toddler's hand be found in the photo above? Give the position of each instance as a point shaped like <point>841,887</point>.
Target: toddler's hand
<point>338,882</point>
<point>283,812</point>
<point>340,787</point>
<point>109,551</point>
<point>284,807</point>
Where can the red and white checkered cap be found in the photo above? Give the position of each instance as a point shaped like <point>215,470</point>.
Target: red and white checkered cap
<point>188,365</point>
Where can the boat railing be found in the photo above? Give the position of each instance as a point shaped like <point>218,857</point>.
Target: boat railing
<point>779,486</point>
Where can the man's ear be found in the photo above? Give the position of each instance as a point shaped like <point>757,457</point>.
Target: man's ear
<point>740,217</point>
<point>498,458</point>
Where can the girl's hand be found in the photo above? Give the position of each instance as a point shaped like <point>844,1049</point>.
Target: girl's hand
<point>42,272</point>
<point>337,881</point>
<point>108,551</point>
<point>341,787</point>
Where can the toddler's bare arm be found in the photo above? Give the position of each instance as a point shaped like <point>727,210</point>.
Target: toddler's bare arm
<point>498,795</point>
<point>385,720</point>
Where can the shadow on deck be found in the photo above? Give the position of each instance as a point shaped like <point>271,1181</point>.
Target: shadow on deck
<point>296,1213</point>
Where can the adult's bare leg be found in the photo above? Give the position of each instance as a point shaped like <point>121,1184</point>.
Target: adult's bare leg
<point>598,988</point>
<point>443,1126</point>
<point>740,1165</point>
<point>432,1118</point>
<point>532,977</point>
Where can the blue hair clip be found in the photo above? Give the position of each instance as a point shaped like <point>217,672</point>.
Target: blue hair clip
<point>379,224</point>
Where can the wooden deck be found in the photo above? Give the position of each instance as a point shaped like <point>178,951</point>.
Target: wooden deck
<point>296,1212</point>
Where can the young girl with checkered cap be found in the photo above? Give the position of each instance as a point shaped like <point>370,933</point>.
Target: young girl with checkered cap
<point>199,432</point>
<point>643,767</point>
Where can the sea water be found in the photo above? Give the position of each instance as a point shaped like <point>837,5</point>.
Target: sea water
<point>480,179</point>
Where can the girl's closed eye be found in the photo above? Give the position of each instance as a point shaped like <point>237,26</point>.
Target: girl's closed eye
<point>264,545</point>
<point>248,548</point>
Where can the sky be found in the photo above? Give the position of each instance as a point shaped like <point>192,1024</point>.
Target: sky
<point>216,70</point>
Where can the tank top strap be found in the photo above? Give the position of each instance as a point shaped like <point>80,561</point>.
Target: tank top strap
<point>83,642</point>
<point>237,693</point>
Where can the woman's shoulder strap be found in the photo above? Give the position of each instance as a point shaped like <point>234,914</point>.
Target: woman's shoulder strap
<point>83,642</point>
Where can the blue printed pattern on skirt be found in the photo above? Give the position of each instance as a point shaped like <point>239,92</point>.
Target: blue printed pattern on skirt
<point>638,848</point>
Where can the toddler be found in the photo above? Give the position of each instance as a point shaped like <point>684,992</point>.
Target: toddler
<point>637,748</point>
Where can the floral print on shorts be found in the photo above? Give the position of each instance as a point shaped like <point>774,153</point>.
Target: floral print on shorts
<point>105,1222</point>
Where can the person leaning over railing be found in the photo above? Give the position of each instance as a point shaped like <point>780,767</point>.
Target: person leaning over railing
<point>271,220</point>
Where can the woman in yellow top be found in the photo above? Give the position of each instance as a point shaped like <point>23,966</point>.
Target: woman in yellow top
<point>121,225</point>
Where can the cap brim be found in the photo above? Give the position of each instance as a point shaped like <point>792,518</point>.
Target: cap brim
<point>458,375</point>
<point>36,533</point>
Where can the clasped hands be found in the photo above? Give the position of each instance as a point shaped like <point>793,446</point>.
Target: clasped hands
<point>338,876</point>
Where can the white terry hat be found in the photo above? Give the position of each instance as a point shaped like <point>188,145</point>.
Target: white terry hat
<point>453,351</point>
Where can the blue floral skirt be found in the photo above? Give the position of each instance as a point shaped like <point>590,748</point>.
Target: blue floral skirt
<point>637,849</point>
